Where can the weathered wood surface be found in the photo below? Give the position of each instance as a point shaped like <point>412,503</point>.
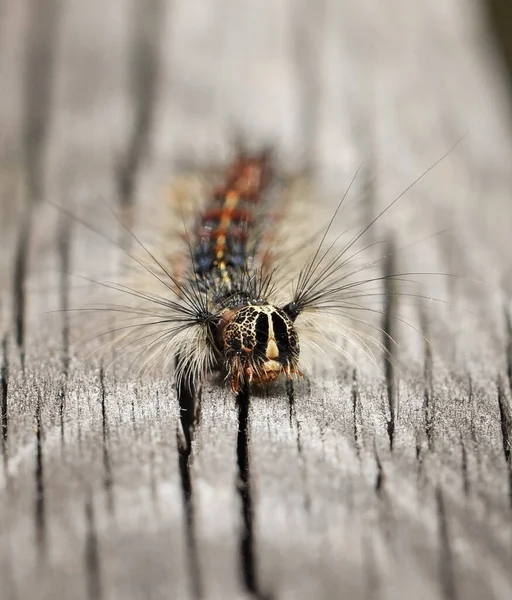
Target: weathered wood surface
<point>302,497</point>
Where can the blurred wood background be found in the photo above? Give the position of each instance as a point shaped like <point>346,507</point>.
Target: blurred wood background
<point>301,497</point>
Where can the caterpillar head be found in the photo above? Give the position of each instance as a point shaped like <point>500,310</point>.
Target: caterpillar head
<point>259,343</point>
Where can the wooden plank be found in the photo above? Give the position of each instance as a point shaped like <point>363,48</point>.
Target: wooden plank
<point>352,484</point>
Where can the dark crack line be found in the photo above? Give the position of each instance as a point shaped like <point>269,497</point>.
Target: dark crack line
<point>64,259</point>
<point>91,555</point>
<point>389,338</point>
<point>290,391</point>
<point>157,408</point>
<point>41,42</point>
<point>355,408</point>
<point>248,564</point>
<point>107,466</point>
<point>473,439</point>
<point>386,517</point>
<point>446,571</point>
<point>506,434</point>
<point>471,402</point>
<point>79,426</point>
<point>4,407</point>
<point>184,456</point>
<point>419,458</point>
<point>464,467</point>
<point>379,479</point>
<point>428,393</point>
<point>508,324</point>
<point>144,73</point>
<point>135,397</point>
<point>39,497</point>
<point>20,276</point>
<point>62,395</point>
<point>38,82</point>
<point>247,558</point>
<point>189,399</point>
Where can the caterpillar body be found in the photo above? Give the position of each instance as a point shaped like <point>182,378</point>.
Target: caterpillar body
<point>232,300</point>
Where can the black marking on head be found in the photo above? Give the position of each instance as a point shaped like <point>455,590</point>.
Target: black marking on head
<point>261,330</point>
<point>285,334</point>
<point>280,330</point>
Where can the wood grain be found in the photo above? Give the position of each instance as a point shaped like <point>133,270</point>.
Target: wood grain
<point>371,484</point>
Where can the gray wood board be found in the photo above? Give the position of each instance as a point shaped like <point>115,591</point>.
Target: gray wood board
<point>301,496</point>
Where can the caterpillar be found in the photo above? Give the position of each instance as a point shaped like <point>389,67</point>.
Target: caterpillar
<point>228,300</point>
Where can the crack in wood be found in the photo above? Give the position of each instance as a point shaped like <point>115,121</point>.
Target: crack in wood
<point>38,82</point>
<point>41,42</point>
<point>79,434</point>
<point>189,400</point>
<point>248,564</point>
<point>446,570</point>
<point>508,351</point>
<point>385,509</point>
<point>4,407</point>
<point>108,481</point>
<point>428,376</point>
<point>91,555</point>
<point>419,457</point>
<point>355,409</point>
<point>41,39</point>
<point>64,243</point>
<point>388,341</point>
<point>247,556</point>
<point>157,408</point>
<point>19,280</point>
<point>471,402</point>
<point>144,72</point>
<point>61,399</point>
<point>39,495</point>
<point>464,467</point>
<point>64,260</point>
<point>506,434</point>
<point>379,479</point>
